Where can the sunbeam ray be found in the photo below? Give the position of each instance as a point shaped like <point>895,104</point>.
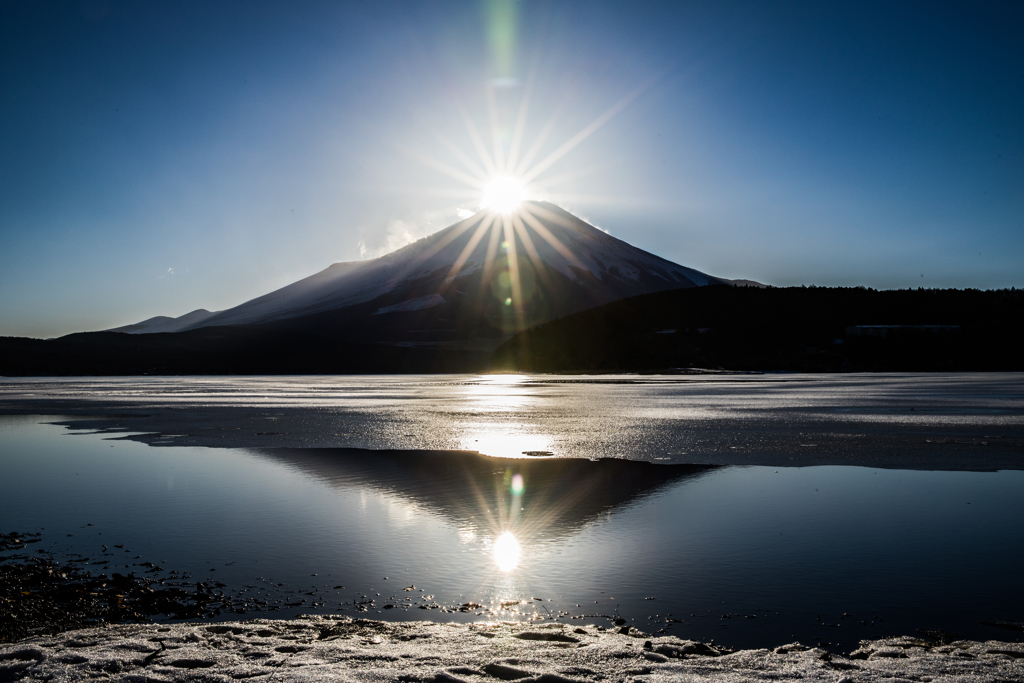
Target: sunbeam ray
<point>569,176</point>
<point>483,505</point>
<point>606,200</point>
<point>520,129</point>
<point>531,219</point>
<point>540,212</point>
<point>454,233</point>
<point>513,271</point>
<point>542,137</point>
<point>453,173</point>
<point>499,149</point>
<point>461,196</point>
<point>478,142</point>
<point>463,158</point>
<point>589,130</point>
<point>531,250</point>
<point>492,249</point>
<point>469,248</point>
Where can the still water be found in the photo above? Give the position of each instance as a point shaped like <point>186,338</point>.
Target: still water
<point>744,555</point>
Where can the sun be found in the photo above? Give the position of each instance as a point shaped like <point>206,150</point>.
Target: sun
<point>503,194</point>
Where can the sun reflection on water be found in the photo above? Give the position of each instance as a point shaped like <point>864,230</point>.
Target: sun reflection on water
<point>505,430</point>
<point>503,379</point>
<point>509,440</point>
<point>500,392</point>
<point>506,551</point>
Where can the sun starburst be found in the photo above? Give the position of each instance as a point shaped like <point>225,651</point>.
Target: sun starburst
<point>503,194</point>
<point>509,185</point>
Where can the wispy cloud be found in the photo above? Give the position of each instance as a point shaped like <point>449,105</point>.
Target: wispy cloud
<point>399,233</point>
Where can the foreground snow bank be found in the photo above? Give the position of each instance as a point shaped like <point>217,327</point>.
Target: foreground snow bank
<point>325,649</point>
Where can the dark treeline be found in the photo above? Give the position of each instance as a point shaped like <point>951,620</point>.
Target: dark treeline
<point>734,328</point>
<point>810,329</point>
<point>236,350</point>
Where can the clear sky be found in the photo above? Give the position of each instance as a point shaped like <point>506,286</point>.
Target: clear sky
<point>158,157</point>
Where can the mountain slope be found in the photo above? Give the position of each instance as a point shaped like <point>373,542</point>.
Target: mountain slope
<point>442,304</point>
<point>518,270</point>
<point>163,323</point>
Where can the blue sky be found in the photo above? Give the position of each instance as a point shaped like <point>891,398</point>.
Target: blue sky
<point>158,157</point>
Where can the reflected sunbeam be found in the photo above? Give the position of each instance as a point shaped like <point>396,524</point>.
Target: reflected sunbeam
<point>506,551</point>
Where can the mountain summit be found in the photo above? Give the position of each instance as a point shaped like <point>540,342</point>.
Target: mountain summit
<point>441,304</point>
<point>490,274</point>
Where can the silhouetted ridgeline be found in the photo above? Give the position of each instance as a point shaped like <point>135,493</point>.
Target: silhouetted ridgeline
<point>737,328</point>
<point>802,329</point>
<point>233,350</point>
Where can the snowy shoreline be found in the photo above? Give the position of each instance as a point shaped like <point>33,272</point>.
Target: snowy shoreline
<point>319,648</point>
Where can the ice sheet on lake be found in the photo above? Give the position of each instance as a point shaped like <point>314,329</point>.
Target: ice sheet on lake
<point>956,421</point>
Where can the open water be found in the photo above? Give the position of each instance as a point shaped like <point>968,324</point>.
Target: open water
<point>746,555</point>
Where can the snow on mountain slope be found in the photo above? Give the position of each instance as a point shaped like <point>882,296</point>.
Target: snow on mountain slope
<point>537,233</point>
<point>417,304</point>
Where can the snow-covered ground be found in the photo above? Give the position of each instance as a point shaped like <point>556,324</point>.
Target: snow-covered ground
<point>324,649</point>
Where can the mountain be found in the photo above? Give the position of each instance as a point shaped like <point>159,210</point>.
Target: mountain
<point>514,271</point>
<point>441,304</point>
<point>163,323</point>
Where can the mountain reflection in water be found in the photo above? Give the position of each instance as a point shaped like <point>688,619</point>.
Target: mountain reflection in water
<point>546,498</point>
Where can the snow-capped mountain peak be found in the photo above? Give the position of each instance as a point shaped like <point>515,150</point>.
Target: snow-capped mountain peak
<point>539,253</point>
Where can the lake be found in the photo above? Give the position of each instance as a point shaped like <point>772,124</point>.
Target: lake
<point>743,553</point>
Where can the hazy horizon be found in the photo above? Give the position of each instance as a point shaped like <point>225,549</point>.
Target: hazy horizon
<point>164,158</point>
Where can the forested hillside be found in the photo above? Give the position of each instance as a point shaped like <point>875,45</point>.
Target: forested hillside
<point>799,329</point>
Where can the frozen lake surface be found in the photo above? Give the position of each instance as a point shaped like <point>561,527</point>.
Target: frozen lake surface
<point>937,421</point>
<point>750,510</point>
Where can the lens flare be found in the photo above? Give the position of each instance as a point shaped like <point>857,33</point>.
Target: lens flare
<point>503,194</point>
<point>517,484</point>
<point>506,552</point>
